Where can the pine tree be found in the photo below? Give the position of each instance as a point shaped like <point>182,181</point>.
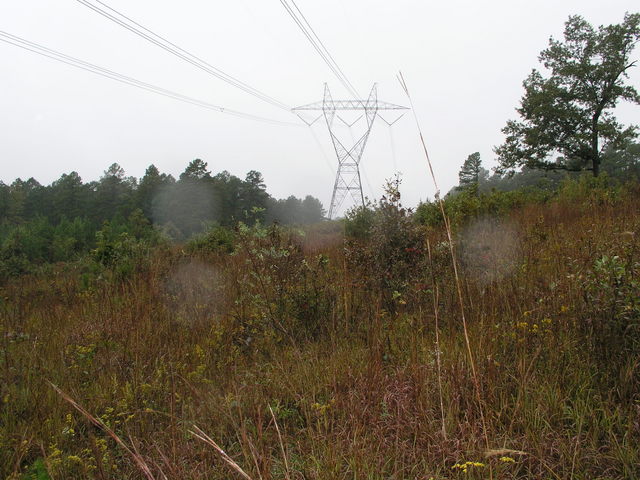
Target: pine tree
<point>471,173</point>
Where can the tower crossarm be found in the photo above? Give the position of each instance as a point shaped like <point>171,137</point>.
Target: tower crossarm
<point>348,182</point>
<point>349,105</point>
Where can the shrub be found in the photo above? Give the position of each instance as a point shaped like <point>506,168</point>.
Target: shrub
<point>120,253</point>
<point>216,239</point>
<point>358,222</point>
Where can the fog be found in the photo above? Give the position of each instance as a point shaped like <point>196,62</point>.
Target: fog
<point>463,62</point>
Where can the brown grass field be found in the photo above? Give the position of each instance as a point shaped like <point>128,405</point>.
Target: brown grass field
<point>317,357</point>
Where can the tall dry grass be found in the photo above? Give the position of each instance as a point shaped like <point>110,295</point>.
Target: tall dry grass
<point>317,359</point>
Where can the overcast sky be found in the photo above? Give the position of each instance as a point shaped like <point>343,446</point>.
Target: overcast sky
<point>464,62</point>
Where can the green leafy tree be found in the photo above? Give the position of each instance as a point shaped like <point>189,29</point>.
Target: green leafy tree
<point>37,201</point>
<point>25,200</point>
<point>69,197</point>
<point>113,194</point>
<point>292,210</point>
<point>150,188</point>
<point>196,170</point>
<point>311,210</point>
<point>623,164</point>
<point>568,115</point>
<point>227,188</point>
<point>5,200</point>
<point>71,237</point>
<point>292,206</point>
<point>253,197</point>
<point>471,173</point>
<point>188,204</point>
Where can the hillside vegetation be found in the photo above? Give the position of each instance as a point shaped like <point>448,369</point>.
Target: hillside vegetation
<point>311,354</point>
<point>43,224</point>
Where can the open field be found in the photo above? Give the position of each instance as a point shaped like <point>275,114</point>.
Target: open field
<point>338,339</point>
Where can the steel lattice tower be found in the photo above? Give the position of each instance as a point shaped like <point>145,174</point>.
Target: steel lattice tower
<point>348,174</point>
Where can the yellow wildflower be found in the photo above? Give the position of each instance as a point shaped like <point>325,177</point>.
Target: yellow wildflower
<point>466,465</point>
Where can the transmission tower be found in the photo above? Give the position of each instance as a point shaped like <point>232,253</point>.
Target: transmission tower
<point>348,175</point>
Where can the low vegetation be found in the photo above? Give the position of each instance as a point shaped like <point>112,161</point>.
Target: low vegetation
<point>492,334</point>
<point>311,354</point>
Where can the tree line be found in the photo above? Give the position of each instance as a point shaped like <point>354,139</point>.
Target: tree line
<point>182,206</point>
<point>41,224</point>
<point>566,122</point>
<point>620,165</point>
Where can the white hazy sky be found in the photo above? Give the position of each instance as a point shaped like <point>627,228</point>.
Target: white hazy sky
<point>464,62</point>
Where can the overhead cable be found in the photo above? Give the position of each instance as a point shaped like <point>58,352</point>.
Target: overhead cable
<point>147,34</point>
<point>317,44</point>
<point>83,65</point>
<point>351,87</point>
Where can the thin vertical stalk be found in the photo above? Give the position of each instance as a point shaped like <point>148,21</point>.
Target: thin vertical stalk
<point>453,259</point>
<point>284,452</point>
<point>436,311</point>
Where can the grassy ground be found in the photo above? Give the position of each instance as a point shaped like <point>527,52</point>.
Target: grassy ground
<point>337,342</point>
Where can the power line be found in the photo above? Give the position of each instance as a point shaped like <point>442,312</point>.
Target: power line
<point>324,155</point>
<point>89,67</point>
<point>352,88</point>
<point>318,45</point>
<point>135,27</point>
<point>179,52</point>
<point>312,41</point>
<point>393,149</point>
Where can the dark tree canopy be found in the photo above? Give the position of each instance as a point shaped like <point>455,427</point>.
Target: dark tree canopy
<point>113,194</point>
<point>66,214</point>
<point>470,170</point>
<point>253,197</point>
<point>471,173</point>
<point>293,210</point>
<point>150,188</point>
<point>566,120</point>
<point>69,196</point>
<point>196,170</point>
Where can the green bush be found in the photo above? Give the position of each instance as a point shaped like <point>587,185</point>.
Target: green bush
<point>465,205</point>
<point>358,222</point>
<point>216,239</point>
<point>612,294</point>
<point>120,252</point>
<point>386,245</point>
